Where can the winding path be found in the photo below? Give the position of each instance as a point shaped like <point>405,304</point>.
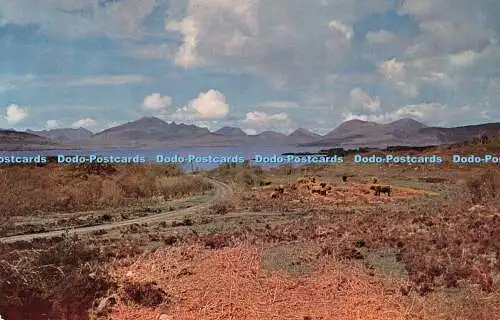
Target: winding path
<point>221,190</point>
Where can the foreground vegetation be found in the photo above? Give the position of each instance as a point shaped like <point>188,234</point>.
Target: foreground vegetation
<point>430,251</point>
<point>54,197</point>
<point>28,190</point>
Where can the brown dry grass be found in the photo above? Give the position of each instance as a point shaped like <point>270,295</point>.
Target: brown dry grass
<point>231,284</point>
<point>301,195</point>
<point>443,246</point>
<point>29,190</point>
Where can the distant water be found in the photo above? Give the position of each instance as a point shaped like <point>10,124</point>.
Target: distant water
<point>248,153</point>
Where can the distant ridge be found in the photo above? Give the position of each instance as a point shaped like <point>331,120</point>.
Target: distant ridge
<point>231,132</point>
<point>302,135</point>
<point>15,140</point>
<point>64,135</point>
<point>145,131</point>
<point>154,132</point>
<point>369,133</point>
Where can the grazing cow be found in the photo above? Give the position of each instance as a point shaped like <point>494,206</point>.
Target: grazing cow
<point>280,189</point>
<point>484,139</point>
<point>316,190</point>
<point>381,189</point>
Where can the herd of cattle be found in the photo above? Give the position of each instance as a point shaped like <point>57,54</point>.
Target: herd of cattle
<point>322,188</point>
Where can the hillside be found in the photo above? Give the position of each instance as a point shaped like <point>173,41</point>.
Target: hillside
<point>64,135</point>
<point>151,132</point>
<point>16,141</point>
<point>358,133</point>
<point>145,132</point>
<point>464,133</point>
<point>368,133</point>
<point>302,135</point>
<point>231,132</point>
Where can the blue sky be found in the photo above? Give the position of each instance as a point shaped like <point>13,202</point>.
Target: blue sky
<point>257,64</point>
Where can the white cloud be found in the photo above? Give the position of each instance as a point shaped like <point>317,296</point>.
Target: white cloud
<point>187,55</point>
<point>450,26</point>
<point>211,104</point>
<point>380,37</point>
<point>249,131</point>
<point>52,124</point>
<point>292,47</point>
<point>434,113</point>
<point>156,102</point>
<point>464,70</point>
<point>395,72</point>
<point>422,111</point>
<point>87,123</point>
<point>208,105</point>
<point>265,120</point>
<point>464,58</point>
<point>105,80</point>
<point>380,118</point>
<point>361,98</point>
<point>442,114</point>
<point>15,113</point>
<point>344,29</point>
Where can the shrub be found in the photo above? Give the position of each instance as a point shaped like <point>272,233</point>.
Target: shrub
<point>145,294</point>
<point>68,188</point>
<point>59,282</point>
<point>220,207</point>
<point>485,187</point>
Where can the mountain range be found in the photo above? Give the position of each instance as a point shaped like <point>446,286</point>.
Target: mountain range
<point>154,132</point>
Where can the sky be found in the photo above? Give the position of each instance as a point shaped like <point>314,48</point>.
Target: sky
<point>256,64</point>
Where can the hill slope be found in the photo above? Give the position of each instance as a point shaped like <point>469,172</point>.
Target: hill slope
<point>408,132</point>
<point>302,135</point>
<point>147,131</point>
<point>64,135</point>
<point>14,140</point>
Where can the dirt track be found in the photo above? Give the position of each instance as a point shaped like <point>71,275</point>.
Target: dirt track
<point>221,190</point>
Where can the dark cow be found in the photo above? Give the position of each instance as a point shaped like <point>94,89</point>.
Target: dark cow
<point>280,189</point>
<point>381,189</point>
